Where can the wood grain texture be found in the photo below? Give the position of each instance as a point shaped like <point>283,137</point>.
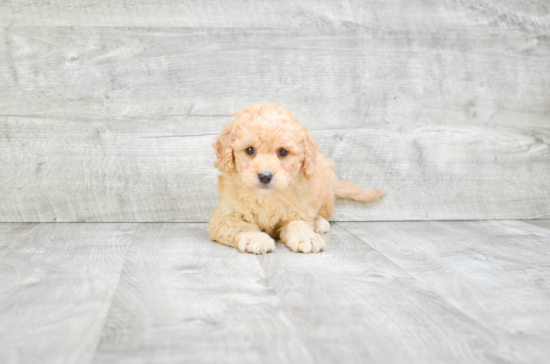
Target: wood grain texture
<point>444,104</point>
<point>184,298</point>
<point>328,78</point>
<point>372,310</point>
<point>388,292</point>
<point>496,272</point>
<point>56,285</point>
<point>93,171</point>
<point>130,171</point>
<point>542,223</point>
<point>388,15</point>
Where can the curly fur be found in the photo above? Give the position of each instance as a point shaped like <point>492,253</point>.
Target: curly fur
<point>297,203</point>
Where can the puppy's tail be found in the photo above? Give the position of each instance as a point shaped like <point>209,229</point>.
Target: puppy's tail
<point>349,190</point>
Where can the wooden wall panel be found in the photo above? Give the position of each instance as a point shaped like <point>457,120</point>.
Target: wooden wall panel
<point>56,170</point>
<point>107,112</point>
<point>347,14</point>
<point>328,78</point>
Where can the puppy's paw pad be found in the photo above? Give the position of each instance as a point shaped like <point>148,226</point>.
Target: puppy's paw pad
<point>255,243</point>
<point>322,226</point>
<point>306,243</point>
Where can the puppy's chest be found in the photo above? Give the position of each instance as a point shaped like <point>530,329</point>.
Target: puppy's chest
<point>271,214</point>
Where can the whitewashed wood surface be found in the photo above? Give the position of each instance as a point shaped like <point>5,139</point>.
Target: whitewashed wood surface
<point>478,267</point>
<point>56,286</point>
<point>382,292</point>
<point>181,298</point>
<point>394,15</point>
<point>108,109</point>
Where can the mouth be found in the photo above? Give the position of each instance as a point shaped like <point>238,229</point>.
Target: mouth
<point>265,188</point>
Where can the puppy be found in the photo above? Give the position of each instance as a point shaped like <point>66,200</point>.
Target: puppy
<point>274,184</point>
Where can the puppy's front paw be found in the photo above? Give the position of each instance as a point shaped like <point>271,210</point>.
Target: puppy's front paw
<point>321,225</point>
<point>255,243</point>
<point>305,242</point>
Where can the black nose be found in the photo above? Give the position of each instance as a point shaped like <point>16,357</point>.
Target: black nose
<point>265,177</point>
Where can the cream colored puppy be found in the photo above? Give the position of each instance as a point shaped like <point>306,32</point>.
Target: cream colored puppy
<point>274,184</point>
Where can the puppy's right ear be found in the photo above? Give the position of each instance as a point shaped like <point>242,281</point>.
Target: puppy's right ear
<point>225,160</point>
<point>310,155</point>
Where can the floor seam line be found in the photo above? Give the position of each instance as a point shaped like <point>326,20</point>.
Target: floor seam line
<point>424,284</point>
<point>114,293</point>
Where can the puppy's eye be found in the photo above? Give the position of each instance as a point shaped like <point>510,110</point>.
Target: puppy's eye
<point>282,152</point>
<point>249,150</point>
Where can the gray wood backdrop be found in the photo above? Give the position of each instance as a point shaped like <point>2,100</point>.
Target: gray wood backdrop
<point>108,108</point>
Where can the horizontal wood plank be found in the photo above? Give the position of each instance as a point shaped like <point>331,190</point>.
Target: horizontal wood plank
<point>338,78</point>
<point>390,15</point>
<point>56,170</point>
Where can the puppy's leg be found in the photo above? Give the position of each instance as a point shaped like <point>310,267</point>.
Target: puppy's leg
<point>321,225</point>
<point>300,237</point>
<point>239,234</point>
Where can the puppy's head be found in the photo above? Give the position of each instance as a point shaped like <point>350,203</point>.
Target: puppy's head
<point>267,147</point>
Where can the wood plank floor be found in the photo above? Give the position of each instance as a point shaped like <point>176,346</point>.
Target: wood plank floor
<point>382,292</point>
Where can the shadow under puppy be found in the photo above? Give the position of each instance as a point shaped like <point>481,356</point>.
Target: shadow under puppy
<point>274,184</point>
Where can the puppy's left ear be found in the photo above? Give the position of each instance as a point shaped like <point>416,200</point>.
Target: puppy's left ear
<point>310,155</point>
<point>225,161</point>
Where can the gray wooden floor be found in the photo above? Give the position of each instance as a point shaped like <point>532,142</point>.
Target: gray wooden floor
<point>383,292</point>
